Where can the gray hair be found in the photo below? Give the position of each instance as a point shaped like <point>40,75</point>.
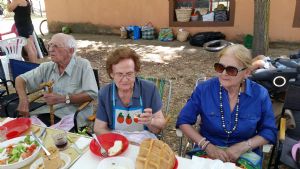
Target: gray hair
<point>71,42</point>
<point>68,40</point>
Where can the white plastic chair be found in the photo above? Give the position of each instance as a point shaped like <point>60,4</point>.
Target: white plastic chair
<point>13,50</point>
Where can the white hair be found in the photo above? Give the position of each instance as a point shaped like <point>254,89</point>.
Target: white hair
<point>68,40</point>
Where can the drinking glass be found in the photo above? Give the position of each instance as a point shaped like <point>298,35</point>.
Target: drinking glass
<point>60,140</point>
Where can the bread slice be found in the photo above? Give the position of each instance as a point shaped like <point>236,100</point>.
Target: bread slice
<point>155,154</point>
<point>53,161</point>
<point>116,148</point>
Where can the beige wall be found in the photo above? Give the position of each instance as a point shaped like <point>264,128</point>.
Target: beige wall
<point>108,16</point>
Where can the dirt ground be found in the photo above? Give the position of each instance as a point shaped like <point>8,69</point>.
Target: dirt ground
<point>177,61</point>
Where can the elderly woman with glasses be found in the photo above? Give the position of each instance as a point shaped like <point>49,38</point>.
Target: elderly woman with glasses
<point>128,103</point>
<point>236,113</point>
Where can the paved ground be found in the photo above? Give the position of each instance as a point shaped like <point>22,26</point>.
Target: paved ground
<point>6,24</point>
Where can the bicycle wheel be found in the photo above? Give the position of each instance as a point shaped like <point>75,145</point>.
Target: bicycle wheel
<point>44,27</point>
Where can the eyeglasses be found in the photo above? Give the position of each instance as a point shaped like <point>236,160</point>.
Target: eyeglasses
<point>230,70</point>
<point>54,46</point>
<point>128,75</point>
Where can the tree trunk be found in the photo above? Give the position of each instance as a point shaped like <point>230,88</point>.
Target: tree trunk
<point>260,45</point>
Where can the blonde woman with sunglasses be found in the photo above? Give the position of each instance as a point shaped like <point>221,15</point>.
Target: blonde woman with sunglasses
<point>236,113</point>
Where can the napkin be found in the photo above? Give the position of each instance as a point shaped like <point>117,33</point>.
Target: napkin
<point>206,163</point>
<point>82,142</point>
<point>136,136</point>
<point>6,120</point>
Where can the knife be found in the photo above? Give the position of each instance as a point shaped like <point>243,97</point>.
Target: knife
<point>40,142</point>
<point>42,132</point>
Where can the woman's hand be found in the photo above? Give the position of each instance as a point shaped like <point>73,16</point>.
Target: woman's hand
<point>146,117</point>
<point>215,152</point>
<point>236,150</point>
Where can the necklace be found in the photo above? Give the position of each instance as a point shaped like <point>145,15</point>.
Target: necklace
<point>236,112</point>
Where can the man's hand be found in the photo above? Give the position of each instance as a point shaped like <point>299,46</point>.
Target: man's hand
<point>53,98</point>
<point>215,152</point>
<point>146,117</point>
<point>23,107</point>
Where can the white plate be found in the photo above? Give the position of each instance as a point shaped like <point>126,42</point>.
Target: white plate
<point>66,158</point>
<point>26,160</point>
<point>116,163</point>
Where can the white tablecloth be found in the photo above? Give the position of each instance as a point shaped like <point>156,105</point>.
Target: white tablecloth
<point>90,161</point>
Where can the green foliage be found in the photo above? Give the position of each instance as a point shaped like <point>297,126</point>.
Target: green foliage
<point>83,131</point>
<point>66,30</point>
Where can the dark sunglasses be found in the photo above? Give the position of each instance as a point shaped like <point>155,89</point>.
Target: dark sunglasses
<point>230,70</point>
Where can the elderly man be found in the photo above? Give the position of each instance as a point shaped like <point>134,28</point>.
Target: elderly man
<point>73,78</point>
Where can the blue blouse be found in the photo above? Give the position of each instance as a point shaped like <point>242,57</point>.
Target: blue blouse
<point>255,117</point>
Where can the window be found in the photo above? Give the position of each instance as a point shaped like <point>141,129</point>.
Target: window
<point>204,13</point>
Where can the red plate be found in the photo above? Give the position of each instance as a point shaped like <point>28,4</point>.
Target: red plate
<point>107,140</point>
<point>16,127</point>
<point>176,163</point>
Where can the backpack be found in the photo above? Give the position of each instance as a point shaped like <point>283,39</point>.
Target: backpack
<point>42,46</point>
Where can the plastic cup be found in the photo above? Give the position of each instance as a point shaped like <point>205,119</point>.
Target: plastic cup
<point>60,140</point>
<point>3,133</point>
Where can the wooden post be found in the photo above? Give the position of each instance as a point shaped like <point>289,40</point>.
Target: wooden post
<point>260,44</point>
<point>50,90</point>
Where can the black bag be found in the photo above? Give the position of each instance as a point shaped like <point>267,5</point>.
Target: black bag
<point>202,37</point>
<point>1,10</point>
<point>42,46</point>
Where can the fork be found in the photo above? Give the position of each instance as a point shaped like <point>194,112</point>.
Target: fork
<point>102,150</point>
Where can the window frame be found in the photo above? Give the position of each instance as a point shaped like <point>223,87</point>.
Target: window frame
<point>174,23</point>
<point>296,22</point>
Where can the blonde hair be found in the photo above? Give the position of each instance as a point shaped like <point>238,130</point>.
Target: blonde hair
<point>240,52</point>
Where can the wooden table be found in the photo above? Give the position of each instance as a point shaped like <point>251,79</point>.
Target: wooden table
<point>48,142</point>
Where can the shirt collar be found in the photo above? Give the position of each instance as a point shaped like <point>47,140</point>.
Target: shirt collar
<point>136,89</point>
<point>248,89</point>
<point>69,67</point>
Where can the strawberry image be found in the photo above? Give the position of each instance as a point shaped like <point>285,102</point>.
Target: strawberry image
<point>120,118</point>
<point>128,119</point>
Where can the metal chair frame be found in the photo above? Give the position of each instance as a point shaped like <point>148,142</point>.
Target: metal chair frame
<point>164,87</point>
<point>182,150</point>
<point>291,102</point>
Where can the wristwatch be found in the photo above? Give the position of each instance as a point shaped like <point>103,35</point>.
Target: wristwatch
<point>68,101</point>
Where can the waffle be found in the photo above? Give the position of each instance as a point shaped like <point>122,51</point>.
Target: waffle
<point>155,154</point>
